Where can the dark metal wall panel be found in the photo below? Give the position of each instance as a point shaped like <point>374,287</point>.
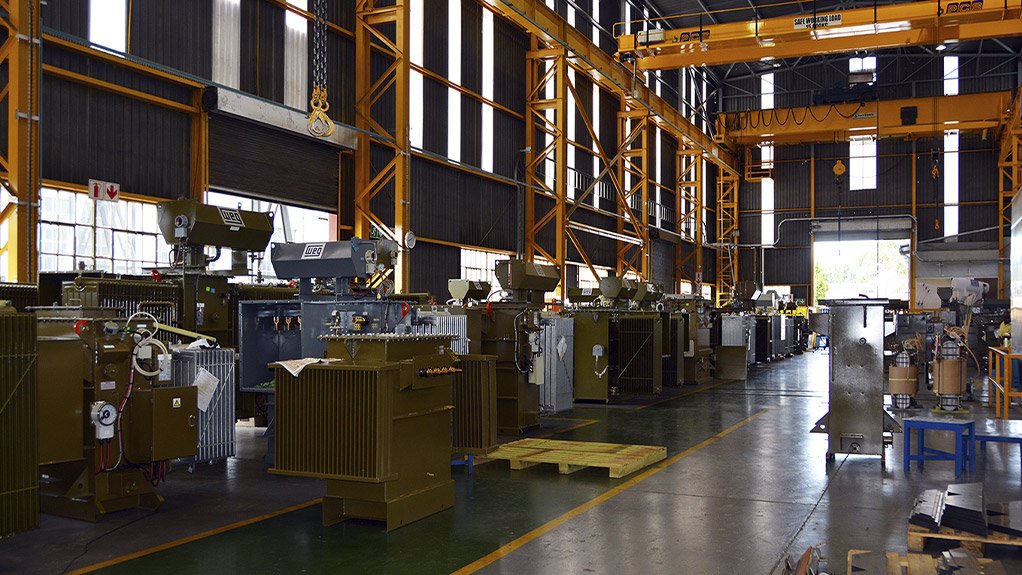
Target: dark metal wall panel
<point>434,123</point>
<point>259,161</point>
<point>750,226</point>
<point>791,230</point>
<point>509,47</point>
<point>741,95</point>
<point>710,256</point>
<point>430,266</point>
<point>977,173</point>
<point>382,205</point>
<point>987,74</point>
<point>748,264</point>
<point>792,177</point>
<point>663,263</point>
<point>601,251</point>
<point>177,34</point>
<point>610,14</point>
<point>909,76</point>
<point>783,266</point>
<point>340,63</point>
<point>456,206</point>
<point>68,16</point>
<point>609,108</point>
<point>118,75</point>
<point>87,133</point>
<point>795,88</point>
<point>262,50</point>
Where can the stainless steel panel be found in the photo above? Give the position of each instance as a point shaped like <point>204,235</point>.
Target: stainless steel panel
<point>733,330</point>
<point>558,360</point>
<point>855,423</point>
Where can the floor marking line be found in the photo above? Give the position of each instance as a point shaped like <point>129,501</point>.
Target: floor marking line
<point>191,538</point>
<point>686,394</point>
<point>508,548</point>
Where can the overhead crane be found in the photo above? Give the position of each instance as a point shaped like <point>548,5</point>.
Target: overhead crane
<point>908,118</point>
<point>920,23</point>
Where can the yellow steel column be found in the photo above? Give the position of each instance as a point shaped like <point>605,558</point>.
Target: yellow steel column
<point>633,157</point>
<point>688,204</point>
<point>912,237</point>
<point>811,300</point>
<point>561,171</point>
<point>727,235</point>
<point>384,29</point>
<point>21,50</point>
<point>1009,169</point>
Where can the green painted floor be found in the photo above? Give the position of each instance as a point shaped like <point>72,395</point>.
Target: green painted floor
<point>493,507</point>
<point>737,505</point>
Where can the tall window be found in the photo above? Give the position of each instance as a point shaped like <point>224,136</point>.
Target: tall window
<point>866,65</point>
<point>74,230</point>
<point>950,75</point>
<point>478,265</point>
<point>227,43</point>
<point>416,13</point>
<point>950,174</point>
<point>766,102</point>
<point>108,24</point>
<point>290,223</point>
<point>488,92</point>
<point>296,57</point>
<point>862,163</point>
<point>454,75</point>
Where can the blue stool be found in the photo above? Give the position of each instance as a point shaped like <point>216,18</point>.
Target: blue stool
<point>965,437</point>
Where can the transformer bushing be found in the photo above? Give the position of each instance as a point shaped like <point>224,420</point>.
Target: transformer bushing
<point>949,375</point>
<point>902,381</point>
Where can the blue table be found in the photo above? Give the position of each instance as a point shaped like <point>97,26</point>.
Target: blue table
<point>965,437</point>
<point>999,431</point>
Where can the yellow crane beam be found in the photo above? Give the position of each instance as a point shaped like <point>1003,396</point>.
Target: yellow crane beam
<point>536,18</point>
<point>920,23</point>
<point>905,118</point>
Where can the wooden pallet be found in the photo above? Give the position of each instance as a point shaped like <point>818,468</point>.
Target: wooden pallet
<point>908,564</point>
<point>971,542</point>
<point>571,456</point>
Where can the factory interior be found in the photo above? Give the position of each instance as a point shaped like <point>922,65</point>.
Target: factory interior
<point>511,286</point>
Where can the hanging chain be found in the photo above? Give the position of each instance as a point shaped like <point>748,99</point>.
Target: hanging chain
<point>320,123</point>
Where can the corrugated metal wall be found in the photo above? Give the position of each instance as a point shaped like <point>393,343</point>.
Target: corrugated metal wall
<point>254,160</point>
<point>87,133</point>
<point>244,158</point>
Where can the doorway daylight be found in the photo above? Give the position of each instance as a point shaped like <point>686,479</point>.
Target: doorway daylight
<point>853,268</point>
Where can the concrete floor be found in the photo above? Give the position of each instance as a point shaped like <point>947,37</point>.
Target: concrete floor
<point>744,485</point>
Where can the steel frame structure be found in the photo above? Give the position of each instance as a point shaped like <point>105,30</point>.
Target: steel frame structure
<point>1009,172</point>
<point>919,23</point>
<point>556,48</point>
<point>384,28</point>
<point>20,50</point>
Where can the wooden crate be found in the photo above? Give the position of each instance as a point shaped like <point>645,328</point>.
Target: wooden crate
<point>971,542</point>
<point>571,456</point>
<point>908,564</point>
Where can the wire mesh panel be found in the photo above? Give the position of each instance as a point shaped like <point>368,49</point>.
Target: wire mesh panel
<point>216,423</point>
<point>638,355</point>
<point>19,465</point>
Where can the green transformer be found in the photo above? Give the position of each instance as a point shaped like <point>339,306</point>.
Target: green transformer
<point>374,421</point>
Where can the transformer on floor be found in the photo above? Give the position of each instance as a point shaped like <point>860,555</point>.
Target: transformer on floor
<point>374,420</point>
<point>110,419</point>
